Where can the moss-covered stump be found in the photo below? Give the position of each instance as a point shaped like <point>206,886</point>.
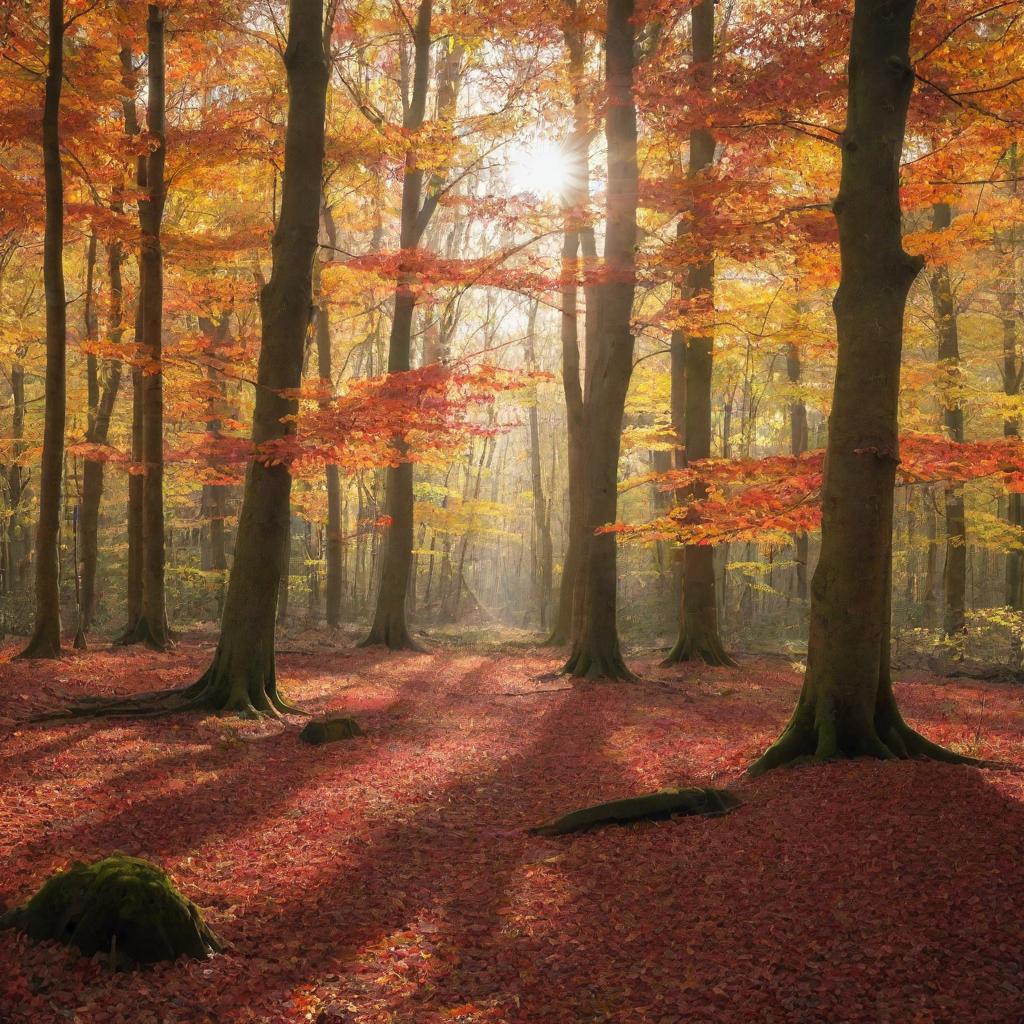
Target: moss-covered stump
<point>659,806</point>
<point>329,730</point>
<point>123,906</point>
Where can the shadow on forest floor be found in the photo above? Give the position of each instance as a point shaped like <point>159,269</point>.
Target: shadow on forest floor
<point>391,878</point>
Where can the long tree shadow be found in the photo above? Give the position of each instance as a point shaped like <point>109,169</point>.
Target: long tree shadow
<point>857,892</point>
<point>445,873</point>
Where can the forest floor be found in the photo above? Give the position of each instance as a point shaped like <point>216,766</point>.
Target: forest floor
<point>391,878</point>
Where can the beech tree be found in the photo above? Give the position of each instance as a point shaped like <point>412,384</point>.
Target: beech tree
<point>45,639</point>
<point>698,620</point>
<point>595,651</point>
<point>847,707</point>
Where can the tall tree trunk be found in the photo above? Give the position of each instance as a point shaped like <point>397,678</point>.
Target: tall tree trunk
<point>575,202</point>
<point>596,650</point>
<point>1012,372</point>
<point>45,639</point>
<point>698,629</point>
<point>798,445</point>
<point>954,576</point>
<point>847,707</point>
<point>133,597</point>
<point>102,395</point>
<point>152,627</point>
<point>390,626</point>
<point>242,677</point>
<point>543,552</point>
<point>335,545</point>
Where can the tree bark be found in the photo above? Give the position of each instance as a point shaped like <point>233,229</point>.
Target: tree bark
<point>699,638</point>
<point>596,652</point>
<point>847,707</point>
<point>543,552</point>
<point>798,445</point>
<point>390,626</point>
<point>334,546</point>
<point>243,677</point>
<point>102,395</point>
<point>954,576</point>
<point>152,626</point>
<point>572,239</point>
<point>45,639</point>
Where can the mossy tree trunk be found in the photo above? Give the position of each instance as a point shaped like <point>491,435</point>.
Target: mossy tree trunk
<point>847,707</point>
<point>596,652</point>
<point>45,639</point>
<point>699,638</point>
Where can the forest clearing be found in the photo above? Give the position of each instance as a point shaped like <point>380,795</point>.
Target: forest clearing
<point>511,511</point>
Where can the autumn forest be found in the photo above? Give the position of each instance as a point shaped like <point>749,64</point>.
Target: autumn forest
<point>511,512</point>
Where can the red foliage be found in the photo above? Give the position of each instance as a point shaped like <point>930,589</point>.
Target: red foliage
<point>391,878</point>
<point>748,498</point>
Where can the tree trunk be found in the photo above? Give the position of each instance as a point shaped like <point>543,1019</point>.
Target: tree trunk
<point>596,650</point>
<point>101,407</point>
<point>45,639</point>
<point>1012,372</point>
<point>543,552</point>
<point>335,545</point>
<point>390,626</point>
<point>954,576</point>
<point>847,708</point>
<point>798,445</point>
<point>242,677</point>
<point>152,627</point>
<point>698,628</point>
<point>575,201</point>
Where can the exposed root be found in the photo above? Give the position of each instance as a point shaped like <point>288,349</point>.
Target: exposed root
<point>803,740</point>
<point>659,806</point>
<point>44,644</point>
<point>140,632</point>
<point>394,635</point>
<point>586,664</point>
<point>217,691</point>
<point>707,648</point>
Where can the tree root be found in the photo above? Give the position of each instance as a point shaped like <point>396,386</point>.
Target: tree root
<point>803,740</point>
<point>584,664</point>
<point>395,636</point>
<point>659,806</point>
<point>217,691</point>
<point>140,632</point>
<point>691,647</point>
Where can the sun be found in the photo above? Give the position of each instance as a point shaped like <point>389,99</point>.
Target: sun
<point>542,168</point>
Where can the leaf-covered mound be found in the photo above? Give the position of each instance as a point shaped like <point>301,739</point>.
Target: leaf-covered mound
<point>121,905</point>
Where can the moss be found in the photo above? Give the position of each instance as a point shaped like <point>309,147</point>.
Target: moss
<point>659,806</point>
<point>120,905</point>
<point>328,730</point>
